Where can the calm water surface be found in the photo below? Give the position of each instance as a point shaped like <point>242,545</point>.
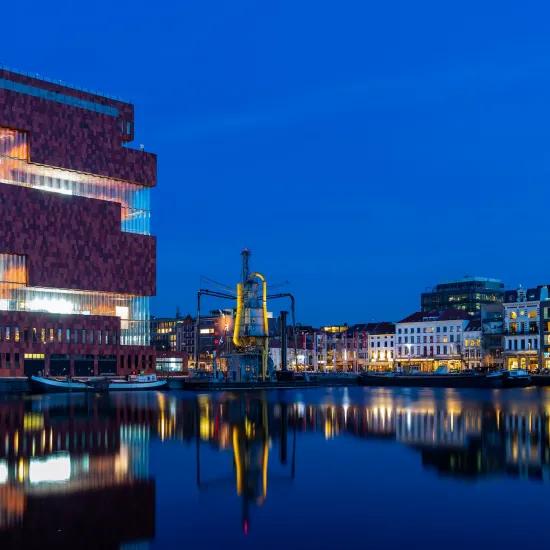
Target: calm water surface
<point>317,468</point>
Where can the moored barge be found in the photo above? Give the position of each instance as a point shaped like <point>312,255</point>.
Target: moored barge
<point>44,384</point>
<point>501,379</point>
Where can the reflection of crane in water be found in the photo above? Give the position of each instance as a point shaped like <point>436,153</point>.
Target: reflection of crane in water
<point>250,440</point>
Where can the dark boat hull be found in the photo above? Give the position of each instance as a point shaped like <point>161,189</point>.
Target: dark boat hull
<point>431,381</point>
<point>540,379</point>
<point>51,385</point>
<point>44,385</point>
<point>517,382</point>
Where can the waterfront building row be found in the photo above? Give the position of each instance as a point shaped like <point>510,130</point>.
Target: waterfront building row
<point>512,334</point>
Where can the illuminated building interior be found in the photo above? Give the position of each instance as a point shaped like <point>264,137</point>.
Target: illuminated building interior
<point>170,364</point>
<point>335,329</point>
<point>15,169</point>
<point>15,295</point>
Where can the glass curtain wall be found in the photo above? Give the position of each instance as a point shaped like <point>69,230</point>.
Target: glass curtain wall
<point>16,296</point>
<point>134,200</point>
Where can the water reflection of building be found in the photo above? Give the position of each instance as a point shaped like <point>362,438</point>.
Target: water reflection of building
<point>511,439</point>
<point>72,475</point>
<point>81,464</point>
<point>452,437</point>
<point>455,439</point>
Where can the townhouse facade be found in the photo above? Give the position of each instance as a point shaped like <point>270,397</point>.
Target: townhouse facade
<point>428,340</point>
<point>472,345</point>
<point>522,327</point>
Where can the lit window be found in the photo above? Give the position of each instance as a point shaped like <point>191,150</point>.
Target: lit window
<point>123,312</point>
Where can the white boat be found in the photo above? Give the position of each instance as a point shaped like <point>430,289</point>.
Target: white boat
<point>132,383</point>
<point>52,384</point>
<point>137,382</point>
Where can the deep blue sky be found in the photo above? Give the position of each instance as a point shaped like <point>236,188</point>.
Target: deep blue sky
<point>362,150</point>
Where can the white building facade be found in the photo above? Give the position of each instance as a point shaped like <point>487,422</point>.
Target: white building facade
<point>428,340</point>
<point>381,351</point>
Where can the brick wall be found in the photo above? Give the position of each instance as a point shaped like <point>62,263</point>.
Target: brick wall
<point>66,136</point>
<point>75,242</point>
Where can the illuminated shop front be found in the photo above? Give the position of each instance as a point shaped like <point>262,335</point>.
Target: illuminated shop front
<point>170,364</point>
<point>522,328</point>
<point>545,334</point>
<point>428,341</point>
<point>382,347</point>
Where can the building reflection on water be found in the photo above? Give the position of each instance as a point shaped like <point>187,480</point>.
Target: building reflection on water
<point>73,471</point>
<point>76,468</point>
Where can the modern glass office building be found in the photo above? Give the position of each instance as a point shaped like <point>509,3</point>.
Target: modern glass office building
<point>77,261</point>
<point>467,294</point>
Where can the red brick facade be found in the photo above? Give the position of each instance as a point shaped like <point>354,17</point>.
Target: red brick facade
<point>23,334</point>
<point>75,242</point>
<point>72,242</point>
<point>70,137</point>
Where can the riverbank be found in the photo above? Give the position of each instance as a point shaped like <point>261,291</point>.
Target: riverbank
<point>21,385</point>
<point>182,383</point>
